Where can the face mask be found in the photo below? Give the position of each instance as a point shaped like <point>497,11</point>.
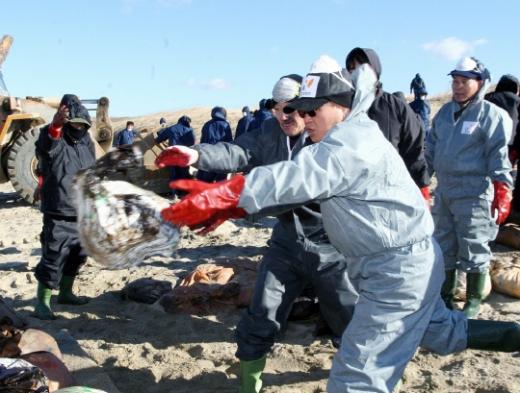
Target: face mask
<point>74,133</point>
<point>130,128</point>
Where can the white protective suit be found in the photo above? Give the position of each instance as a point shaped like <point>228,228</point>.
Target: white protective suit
<point>467,154</point>
<point>375,215</point>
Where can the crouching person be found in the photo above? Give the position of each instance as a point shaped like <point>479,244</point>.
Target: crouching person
<point>63,148</point>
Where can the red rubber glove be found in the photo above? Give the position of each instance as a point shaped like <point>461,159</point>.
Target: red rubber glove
<point>207,205</point>
<point>177,156</point>
<point>501,202</point>
<point>513,156</point>
<point>59,119</point>
<point>54,131</point>
<point>425,191</point>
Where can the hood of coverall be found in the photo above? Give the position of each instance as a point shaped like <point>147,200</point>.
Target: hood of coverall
<point>218,113</point>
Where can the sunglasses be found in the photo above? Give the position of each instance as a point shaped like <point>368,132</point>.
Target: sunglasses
<point>311,113</point>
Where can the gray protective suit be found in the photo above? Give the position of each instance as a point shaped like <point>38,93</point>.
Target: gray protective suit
<point>467,154</point>
<point>299,250</point>
<point>375,215</point>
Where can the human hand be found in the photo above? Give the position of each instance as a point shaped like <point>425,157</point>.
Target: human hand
<point>501,205</point>
<point>177,156</point>
<point>61,116</point>
<point>425,191</point>
<point>207,205</point>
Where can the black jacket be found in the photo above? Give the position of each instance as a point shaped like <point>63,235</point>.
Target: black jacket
<point>403,129</point>
<point>510,102</point>
<point>58,162</point>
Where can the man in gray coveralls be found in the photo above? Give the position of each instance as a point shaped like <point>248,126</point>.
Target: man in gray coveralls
<point>299,251</point>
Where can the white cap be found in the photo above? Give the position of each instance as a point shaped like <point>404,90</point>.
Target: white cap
<point>286,89</point>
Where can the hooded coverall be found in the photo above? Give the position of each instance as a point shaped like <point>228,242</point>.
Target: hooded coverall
<point>467,154</point>
<point>178,134</point>
<point>299,250</point>
<point>215,130</point>
<point>400,126</point>
<point>375,215</point>
<point>243,124</point>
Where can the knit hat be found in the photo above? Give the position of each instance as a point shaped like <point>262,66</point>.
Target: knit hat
<point>287,88</point>
<point>509,83</point>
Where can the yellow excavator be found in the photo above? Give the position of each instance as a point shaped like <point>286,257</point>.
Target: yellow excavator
<point>20,123</point>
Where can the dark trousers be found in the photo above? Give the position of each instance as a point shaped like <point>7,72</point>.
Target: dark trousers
<point>282,276</point>
<point>179,173</point>
<point>210,177</point>
<point>62,253</point>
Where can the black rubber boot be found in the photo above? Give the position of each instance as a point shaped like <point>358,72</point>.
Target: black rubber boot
<point>493,335</point>
<point>475,283</point>
<point>448,288</point>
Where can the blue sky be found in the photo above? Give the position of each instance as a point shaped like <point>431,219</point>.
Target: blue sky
<point>155,55</point>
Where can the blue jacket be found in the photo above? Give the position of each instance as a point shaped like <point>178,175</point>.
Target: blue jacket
<point>261,116</point>
<point>243,125</point>
<point>422,108</point>
<point>178,134</point>
<point>124,137</point>
<point>216,130</point>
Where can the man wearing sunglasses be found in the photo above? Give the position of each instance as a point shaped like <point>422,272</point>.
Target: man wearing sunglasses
<point>374,214</point>
<point>396,120</point>
<point>299,253</point>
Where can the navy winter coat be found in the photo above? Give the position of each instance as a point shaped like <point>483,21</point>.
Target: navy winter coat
<point>217,129</point>
<point>243,125</point>
<point>125,137</point>
<point>178,134</point>
<point>422,108</point>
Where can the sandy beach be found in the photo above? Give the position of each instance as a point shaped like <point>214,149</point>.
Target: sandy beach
<point>144,349</point>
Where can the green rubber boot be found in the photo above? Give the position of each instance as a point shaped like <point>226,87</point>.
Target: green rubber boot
<point>448,288</point>
<point>475,283</point>
<point>66,296</point>
<point>493,335</point>
<point>250,373</point>
<point>43,307</point>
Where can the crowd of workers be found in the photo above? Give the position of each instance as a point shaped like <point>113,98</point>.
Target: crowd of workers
<point>345,167</point>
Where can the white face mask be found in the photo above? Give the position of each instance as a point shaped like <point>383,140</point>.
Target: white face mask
<point>130,128</point>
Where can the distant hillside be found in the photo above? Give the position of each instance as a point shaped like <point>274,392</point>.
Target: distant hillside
<point>198,117</point>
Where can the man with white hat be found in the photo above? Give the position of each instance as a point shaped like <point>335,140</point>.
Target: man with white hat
<point>467,149</point>
<point>299,253</point>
